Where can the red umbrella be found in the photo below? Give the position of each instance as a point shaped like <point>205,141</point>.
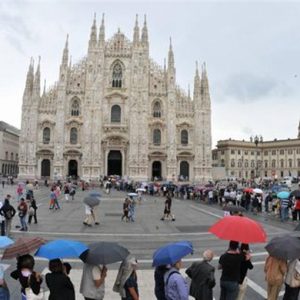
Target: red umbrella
<point>240,229</point>
<point>22,246</point>
<point>248,190</point>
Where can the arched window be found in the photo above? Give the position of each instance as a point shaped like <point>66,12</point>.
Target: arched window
<point>75,108</point>
<point>73,136</point>
<point>156,137</point>
<point>115,114</point>
<point>157,110</point>
<point>117,76</point>
<point>46,135</point>
<point>184,170</point>
<point>184,137</point>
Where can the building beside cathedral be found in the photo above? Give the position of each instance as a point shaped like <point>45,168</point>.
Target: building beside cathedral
<point>116,112</point>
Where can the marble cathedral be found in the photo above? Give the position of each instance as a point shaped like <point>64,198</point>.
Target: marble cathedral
<point>116,112</point>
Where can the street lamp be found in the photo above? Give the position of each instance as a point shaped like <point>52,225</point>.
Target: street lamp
<point>256,140</point>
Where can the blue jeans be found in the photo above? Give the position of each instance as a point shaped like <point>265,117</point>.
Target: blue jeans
<point>4,293</point>
<point>229,290</point>
<point>23,222</point>
<point>284,214</point>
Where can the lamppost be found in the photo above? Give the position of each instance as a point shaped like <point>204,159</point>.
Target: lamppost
<point>256,140</point>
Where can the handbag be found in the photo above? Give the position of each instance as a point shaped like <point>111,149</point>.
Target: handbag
<point>30,295</point>
<point>31,211</point>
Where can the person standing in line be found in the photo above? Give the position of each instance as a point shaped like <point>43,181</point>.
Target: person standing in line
<point>176,287</point>
<point>292,280</point>
<point>92,285</point>
<point>275,270</point>
<point>32,211</point>
<point>203,278</point>
<point>245,266</point>
<point>23,209</point>
<point>8,212</point>
<point>58,282</point>
<point>230,264</point>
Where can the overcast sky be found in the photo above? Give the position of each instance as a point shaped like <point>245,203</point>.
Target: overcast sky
<point>252,52</point>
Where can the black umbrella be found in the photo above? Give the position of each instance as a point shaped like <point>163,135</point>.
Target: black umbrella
<point>234,208</point>
<point>91,201</point>
<point>104,253</point>
<point>296,194</point>
<point>284,247</point>
<point>94,194</point>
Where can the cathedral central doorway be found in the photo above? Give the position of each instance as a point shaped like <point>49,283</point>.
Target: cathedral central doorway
<point>114,163</point>
<point>156,170</point>
<point>73,168</point>
<point>45,168</point>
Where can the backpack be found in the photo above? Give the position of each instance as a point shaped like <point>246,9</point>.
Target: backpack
<point>8,214</point>
<point>166,283</point>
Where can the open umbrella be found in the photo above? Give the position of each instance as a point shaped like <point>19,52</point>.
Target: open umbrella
<point>284,247</point>
<point>132,194</point>
<point>171,253</point>
<point>141,190</point>
<point>5,241</point>
<point>22,246</point>
<point>104,253</point>
<point>94,194</point>
<point>296,194</point>
<point>91,201</point>
<point>283,195</point>
<point>240,229</point>
<point>258,191</point>
<point>61,249</point>
<point>248,190</point>
<point>234,208</point>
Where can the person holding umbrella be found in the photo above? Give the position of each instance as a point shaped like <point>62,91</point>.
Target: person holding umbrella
<point>292,280</point>
<point>92,285</point>
<point>88,215</point>
<point>275,270</point>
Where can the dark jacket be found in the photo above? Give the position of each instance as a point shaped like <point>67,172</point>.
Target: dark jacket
<point>60,286</point>
<point>203,280</point>
<point>159,288</point>
<point>7,207</point>
<point>34,284</point>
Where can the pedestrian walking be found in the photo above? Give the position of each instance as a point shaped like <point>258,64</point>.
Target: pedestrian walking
<point>53,200</point>
<point>73,191</point>
<point>95,214</point>
<point>176,287</point>
<point>132,205</point>
<point>125,210</point>
<point>32,211</point>
<point>275,270</point>
<point>284,209</point>
<point>58,282</point>
<point>292,280</point>
<point>202,275</point>
<point>88,216</point>
<point>8,211</point>
<point>92,285</point>
<point>23,209</point>
<point>66,191</point>
<point>230,264</point>
<point>167,210</point>
<point>246,265</point>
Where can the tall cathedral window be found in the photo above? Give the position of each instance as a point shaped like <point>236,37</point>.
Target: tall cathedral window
<point>117,76</point>
<point>115,114</point>
<point>75,108</point>
<point>184,137</point>
<point>157,110</point>
<point>46,135</point>
<point>73,136</point>
<point>156,137</point>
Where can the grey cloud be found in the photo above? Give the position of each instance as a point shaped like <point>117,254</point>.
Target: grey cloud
<point>247,87</point>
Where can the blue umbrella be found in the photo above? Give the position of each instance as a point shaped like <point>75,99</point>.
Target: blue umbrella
<point>5,241</point>
<point>283,195</point>
<point>61,249</point>
<point>171,253</point>
<point>94,194</point>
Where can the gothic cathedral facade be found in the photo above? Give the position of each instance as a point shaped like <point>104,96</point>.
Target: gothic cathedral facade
<point>116,112</point>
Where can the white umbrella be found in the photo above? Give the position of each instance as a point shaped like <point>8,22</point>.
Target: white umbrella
<point>141,190</point>
<point>258,191</point>
<point>132,194</point>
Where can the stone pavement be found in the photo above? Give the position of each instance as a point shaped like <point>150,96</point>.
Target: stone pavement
<point>142,237</point>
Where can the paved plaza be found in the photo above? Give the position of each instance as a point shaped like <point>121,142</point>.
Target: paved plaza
<point>142,237</point>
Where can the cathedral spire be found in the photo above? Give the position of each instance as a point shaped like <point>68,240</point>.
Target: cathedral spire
<point>136,31</point>
<point>65,56</point>
<point>70,63</point>
<point>205,88</point>
<point>44,90</point>
<point>145,32</point>
<point>93,35</point>
<point>101,40</point>
<point>171,57</point>
<point>196,83</point>
<point>29,78</point>
<point>37,79</point>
